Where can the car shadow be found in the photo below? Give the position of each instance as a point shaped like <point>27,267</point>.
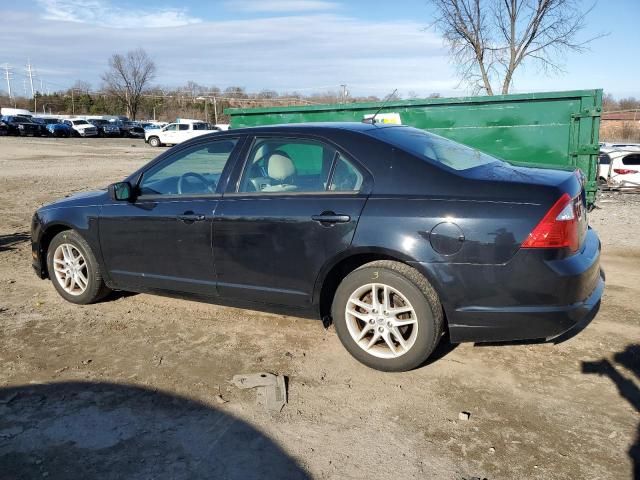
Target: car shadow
<point>444,348</point>
<point>629,358</point>
<point>9,242</point>
<point>113,431</point>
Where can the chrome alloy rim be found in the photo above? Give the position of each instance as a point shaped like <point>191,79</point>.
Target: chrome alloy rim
<point>381,320</point>
<point>71,269</point>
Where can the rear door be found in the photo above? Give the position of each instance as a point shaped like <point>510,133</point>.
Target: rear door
<point>294,206</point>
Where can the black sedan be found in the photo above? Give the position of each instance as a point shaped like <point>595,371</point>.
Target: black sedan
<point>394,234</point>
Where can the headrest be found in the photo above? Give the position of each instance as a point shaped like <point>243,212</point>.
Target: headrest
<point>280,167</point>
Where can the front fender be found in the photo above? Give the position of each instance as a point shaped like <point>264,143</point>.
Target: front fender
<point>48,222</point>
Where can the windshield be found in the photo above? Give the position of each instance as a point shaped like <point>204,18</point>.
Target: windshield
<point>81,122</point>
<point>99,122</point>
<point>434,147</point>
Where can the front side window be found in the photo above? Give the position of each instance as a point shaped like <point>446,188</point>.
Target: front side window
<point>171,128</point>
<point>193,171</point>
<point>278,165</point>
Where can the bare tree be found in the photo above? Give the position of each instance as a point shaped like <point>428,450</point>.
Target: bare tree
<point>128,77</point>
<point>490,39</point>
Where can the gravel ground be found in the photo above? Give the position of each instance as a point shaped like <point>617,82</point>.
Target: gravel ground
<point>138,386</point>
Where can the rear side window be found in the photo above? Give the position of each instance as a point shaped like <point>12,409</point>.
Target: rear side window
<point>285,165</point>
<point>434,147</point>
<point>183,126</point>
<point>279,165</point>
<point>631,159</point>
<point>345,178</point>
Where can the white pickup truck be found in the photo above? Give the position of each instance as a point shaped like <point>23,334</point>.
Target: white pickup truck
<point>175,133</point>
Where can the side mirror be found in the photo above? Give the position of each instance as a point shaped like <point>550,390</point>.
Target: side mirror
<point>121,191</point>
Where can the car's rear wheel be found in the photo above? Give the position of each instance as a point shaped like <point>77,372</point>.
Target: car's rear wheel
<point>74,270</point>
<point>154,142</point>
<point>388,316</point>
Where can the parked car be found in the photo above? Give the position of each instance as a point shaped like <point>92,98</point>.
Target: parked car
<point>105,127</point>
<point>395,234</point>
<point>131,130</point>
<point>619,166</point>
<point>153,125</point>
<point>4,128</point>
<point>23,126</point>
<point>81,128</point>
<point>176,133</point>
<point>54,127</point>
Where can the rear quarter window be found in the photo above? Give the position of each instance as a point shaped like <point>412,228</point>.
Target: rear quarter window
<point>631,159</point>
<point>434,148</point>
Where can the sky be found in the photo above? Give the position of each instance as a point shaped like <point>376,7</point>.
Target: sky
<point>308,46</point>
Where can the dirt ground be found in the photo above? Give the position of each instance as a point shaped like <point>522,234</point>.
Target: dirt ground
<point>133,387</point>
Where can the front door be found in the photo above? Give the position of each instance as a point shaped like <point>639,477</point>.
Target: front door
<point>162,240</point>
<point>169,134</point>
<point>295,206</point>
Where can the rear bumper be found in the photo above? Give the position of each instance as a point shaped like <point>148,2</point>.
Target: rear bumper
<point>487,324</point>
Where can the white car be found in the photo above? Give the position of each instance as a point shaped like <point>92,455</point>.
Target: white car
<point>619,166</point>
<point>82,128</point>
<point>175,133</point>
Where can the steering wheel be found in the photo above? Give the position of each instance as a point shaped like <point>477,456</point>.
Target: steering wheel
<point>209,186</point>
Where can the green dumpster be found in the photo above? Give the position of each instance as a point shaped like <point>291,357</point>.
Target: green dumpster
<point>554,129</point>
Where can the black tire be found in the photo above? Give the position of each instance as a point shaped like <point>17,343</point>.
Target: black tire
<point>154,142</point>
<point>96,288</point>
<point>417,290</point>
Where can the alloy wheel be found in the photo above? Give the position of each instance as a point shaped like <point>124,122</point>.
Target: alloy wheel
<point>70,269</point>
<point>381,320</point>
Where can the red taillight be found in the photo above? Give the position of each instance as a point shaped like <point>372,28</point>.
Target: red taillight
<point>624,171</point>
<point>558,228</point>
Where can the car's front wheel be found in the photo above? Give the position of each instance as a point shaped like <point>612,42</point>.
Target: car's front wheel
<point>154,142</point>
<point>387,316</point>
<point>74,270</point>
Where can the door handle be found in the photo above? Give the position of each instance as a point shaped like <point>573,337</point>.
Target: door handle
<point>191,217</point>
<point>330,217</point>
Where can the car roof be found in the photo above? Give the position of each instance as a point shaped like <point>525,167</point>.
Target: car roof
<point>313,127</point>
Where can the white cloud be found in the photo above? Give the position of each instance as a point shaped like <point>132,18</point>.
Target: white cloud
<point>101,12</point>
<point>307,52</point>
<point>281,6</point>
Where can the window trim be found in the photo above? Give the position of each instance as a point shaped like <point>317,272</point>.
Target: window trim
<point>365,188</point>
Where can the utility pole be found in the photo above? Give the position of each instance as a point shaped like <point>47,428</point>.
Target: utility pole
<point>215,110</point>
<point>73,103</point>
<point>206,110</point>
<point>344,93</point>
<point>7,76</point>
<point>30,72</point>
